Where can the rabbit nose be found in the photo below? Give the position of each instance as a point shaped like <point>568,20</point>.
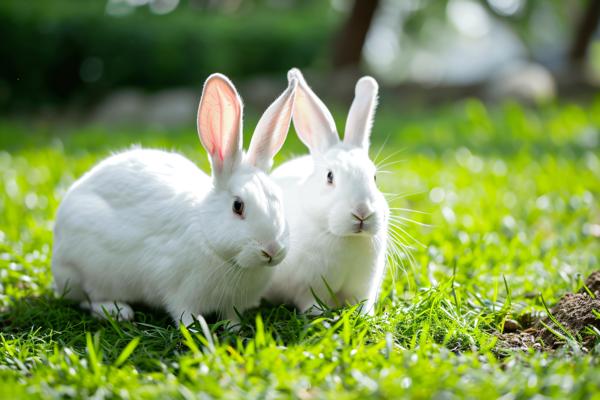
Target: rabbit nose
<point>271,250</point>
<point>266,256</point>
<point>363,211</point>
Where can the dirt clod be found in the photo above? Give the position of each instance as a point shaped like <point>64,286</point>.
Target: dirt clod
<point>593,284</point>
<point>510,325</point>
<point>573,312</point>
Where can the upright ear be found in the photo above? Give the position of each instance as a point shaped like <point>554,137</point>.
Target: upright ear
<point>220,126</point>
<point>312,120</point>
<point>272,129</point>
<point>362,111</point>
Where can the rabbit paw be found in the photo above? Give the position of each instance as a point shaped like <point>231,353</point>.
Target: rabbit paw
<point>115,309</point>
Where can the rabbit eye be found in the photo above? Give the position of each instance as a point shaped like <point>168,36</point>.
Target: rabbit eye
<point>330,177</point>
<point>375,178</point>
<point>238,206</point>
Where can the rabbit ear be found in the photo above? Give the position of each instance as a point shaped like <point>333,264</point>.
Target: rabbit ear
<point>313,121</point>
<point>220,126</point>
<point>272,129</point>
<point>362,111</point>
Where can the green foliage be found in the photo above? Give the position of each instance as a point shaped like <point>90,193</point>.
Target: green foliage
<point>64,50</point>
<point>506,198</point>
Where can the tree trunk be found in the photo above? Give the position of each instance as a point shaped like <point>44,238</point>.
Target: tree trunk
<point>350,40</point>
<point>584,31</point>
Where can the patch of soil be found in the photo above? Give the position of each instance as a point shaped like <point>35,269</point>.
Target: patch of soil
<point>574,312</point>
<point>524,340</point>
<point>593,284</point>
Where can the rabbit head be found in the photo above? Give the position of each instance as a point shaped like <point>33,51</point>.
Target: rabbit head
<point>250,229</point>
<point>341,193</point>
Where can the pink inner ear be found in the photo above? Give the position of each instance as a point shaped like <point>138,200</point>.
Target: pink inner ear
<point>302,117</point>
<point>265,146</point>
<point>278,126</point>
<point>282,126</point>
<point>219,119</point>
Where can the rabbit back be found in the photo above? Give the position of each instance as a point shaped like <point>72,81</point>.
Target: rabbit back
<point>120,228</point>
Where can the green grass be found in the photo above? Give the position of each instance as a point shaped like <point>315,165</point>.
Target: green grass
<point>507,195</point>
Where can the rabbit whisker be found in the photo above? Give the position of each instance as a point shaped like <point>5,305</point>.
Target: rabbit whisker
<point>409,210</point>
<point>400,220</point>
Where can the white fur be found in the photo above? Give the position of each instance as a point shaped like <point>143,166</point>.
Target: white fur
<point>324,243</point>
<point>149,226</point>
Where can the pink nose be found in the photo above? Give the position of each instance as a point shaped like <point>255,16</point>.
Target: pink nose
<point>271,250</point>
<point>363,211</point>
<point>267,256</point>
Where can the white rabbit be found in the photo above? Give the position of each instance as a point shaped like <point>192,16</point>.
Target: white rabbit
<point>148,226</point>
<point>338,218</point>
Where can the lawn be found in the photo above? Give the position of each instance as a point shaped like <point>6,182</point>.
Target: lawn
<point>502,214</point>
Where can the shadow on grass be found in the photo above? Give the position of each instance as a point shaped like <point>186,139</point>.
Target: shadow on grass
<point>51,313</point>
<point>47,321</point>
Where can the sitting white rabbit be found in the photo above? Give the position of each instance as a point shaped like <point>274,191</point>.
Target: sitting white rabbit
<point>148,226</point>
<point>337,216</point>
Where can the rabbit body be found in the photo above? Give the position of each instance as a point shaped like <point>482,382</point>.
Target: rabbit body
<point>149,226</point>
<point>337,216</point>
<point>318,262</point>
<point>134,229</point>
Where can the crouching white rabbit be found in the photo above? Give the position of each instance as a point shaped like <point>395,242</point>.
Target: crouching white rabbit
<point>337,216</point>
<point>149,226</point>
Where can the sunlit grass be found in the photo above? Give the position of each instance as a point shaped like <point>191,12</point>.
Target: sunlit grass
<point>498,205</point>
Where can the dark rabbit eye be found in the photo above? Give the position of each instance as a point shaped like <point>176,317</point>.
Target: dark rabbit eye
<point>238,206</point>
<point>330,177</point>
<point>375,178</point>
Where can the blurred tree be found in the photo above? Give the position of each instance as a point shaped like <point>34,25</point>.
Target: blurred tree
<point>584,31</point>
<point>350,40</point>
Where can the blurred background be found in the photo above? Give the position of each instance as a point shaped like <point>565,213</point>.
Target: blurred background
<point>143,62</point>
